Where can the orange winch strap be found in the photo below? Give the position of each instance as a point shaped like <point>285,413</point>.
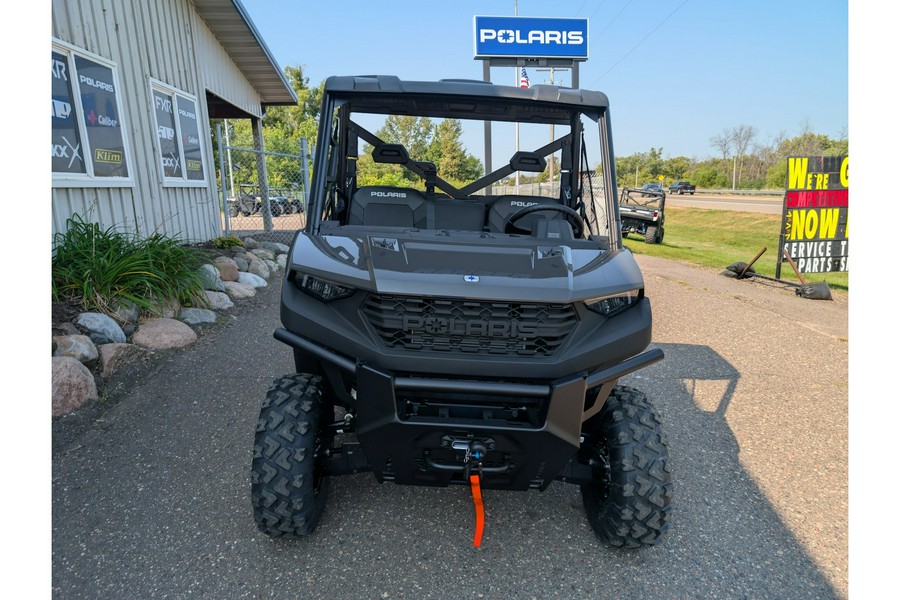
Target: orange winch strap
<point>475,480</point>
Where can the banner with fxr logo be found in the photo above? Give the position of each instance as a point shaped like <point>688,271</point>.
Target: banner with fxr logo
<point>65,143</point>
<point>170,156</point>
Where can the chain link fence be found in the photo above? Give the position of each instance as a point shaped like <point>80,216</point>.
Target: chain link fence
<point>275,210</point>
<point>264,193</point>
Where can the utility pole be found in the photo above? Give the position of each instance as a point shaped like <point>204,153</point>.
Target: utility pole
<point>734,173</point>
<point>552,137</point>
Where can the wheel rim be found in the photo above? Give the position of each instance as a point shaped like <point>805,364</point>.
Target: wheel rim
<point>601,473</point>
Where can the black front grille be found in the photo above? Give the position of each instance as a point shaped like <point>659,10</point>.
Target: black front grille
<point>469,326</point>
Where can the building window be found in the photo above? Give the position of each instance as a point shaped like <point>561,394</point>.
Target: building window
<point>88,146</point>
<point>177,135</point>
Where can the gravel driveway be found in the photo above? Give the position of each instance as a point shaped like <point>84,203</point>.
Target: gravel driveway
<point>151,494</point>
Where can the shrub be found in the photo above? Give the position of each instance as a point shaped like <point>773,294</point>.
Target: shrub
<point>98,268</point>
<point>227,242</point>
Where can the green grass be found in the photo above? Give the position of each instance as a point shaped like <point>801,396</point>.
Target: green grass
<point>717,238</point>
<point>99,269</point>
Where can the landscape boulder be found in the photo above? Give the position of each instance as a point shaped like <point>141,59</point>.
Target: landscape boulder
<point>101,328</point>
<point>163,334</point>
<point>72,385</point>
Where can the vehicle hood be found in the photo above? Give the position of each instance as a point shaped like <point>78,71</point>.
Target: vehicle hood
<point>504,268</point>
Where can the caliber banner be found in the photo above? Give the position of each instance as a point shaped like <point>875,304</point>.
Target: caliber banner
<point>815,231</point>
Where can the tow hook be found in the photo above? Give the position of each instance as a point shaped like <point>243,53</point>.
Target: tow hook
<point>475,451</point>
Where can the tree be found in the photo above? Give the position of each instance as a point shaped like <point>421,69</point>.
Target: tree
<point>741,136</point>
<point>424,140</point>
<point>447,153</point>
<point>413,132</point>
<point>722,142</point>
<point>676,168</point>
<point>283,127</point>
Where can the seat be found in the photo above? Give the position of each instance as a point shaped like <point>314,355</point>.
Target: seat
<point>385,206</point>
<point>459,215</point>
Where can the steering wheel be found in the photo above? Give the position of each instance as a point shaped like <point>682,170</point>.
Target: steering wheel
<point>571,215</point>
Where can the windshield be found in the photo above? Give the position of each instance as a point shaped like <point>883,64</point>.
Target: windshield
<point>445,173</point>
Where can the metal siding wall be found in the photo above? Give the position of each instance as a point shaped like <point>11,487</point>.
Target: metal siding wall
<point>150,38</point>
<point>84,25</point>
<point>220,75</point>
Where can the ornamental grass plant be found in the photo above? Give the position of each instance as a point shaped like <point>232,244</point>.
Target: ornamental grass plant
<point>99,269</point>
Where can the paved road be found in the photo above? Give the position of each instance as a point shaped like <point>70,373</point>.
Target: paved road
<point>762,204</point>
<point>151,494</point>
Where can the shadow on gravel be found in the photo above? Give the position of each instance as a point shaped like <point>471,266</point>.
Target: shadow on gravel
<point>723,524</point>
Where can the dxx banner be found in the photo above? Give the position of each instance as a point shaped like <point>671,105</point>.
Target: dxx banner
<point>815,231</point>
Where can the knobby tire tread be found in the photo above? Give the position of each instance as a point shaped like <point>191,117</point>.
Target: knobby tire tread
<point>283,494</point>
<point>635,510</point>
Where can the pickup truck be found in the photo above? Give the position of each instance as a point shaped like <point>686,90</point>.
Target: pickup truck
<point>680,187</point>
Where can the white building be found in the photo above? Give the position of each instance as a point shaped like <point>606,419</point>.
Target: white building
<point>135,83</point>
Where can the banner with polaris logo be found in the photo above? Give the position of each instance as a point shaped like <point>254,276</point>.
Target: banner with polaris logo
<point>531,37</point>
<point>815,227</point>
<point>190,138</point>
<point>102,123</point>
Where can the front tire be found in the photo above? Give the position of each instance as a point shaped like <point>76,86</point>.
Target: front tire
<point>288,483</point>
<point>629,499</point>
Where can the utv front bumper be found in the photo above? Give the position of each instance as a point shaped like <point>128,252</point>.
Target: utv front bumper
<point>419,430</point>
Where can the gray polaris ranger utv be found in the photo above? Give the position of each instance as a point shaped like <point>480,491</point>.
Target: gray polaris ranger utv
<point>454,328</point>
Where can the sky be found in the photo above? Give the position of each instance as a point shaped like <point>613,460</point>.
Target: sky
<point>677,72</point>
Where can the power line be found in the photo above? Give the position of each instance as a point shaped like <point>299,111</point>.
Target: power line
<point>652,31</point>
<point>608,25</point>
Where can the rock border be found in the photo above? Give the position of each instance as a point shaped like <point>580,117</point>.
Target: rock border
<point>94,345</point>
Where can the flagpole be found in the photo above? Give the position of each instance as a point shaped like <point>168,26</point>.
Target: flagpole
<point>518,83</point>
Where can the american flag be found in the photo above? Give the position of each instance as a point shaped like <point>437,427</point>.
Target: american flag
<point>523,80</point>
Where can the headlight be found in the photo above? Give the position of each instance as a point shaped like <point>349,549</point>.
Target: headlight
<point>325,291</point>
<point>614,303</point>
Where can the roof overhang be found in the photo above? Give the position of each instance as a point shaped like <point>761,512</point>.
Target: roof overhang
<point>231,24</point>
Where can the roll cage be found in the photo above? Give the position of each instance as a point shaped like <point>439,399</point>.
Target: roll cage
<point>591,195</point>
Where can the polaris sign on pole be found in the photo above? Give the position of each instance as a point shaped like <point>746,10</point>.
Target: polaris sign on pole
<point>528,42</point>
<point>531,37</point>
